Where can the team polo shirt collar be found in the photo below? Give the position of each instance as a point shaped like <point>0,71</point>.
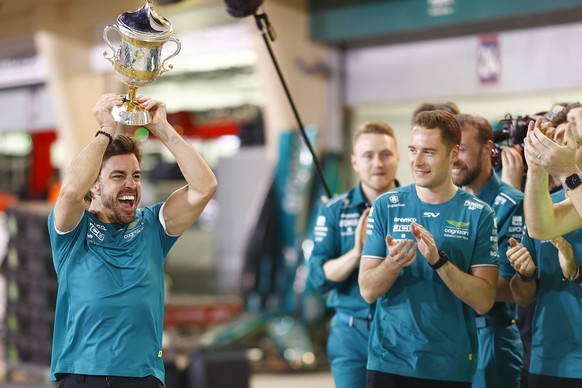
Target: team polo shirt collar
<point>358,198</point>
<point>490,190</point>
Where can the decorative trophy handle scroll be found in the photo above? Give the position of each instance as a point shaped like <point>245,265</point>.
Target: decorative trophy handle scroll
<point>137,61</point>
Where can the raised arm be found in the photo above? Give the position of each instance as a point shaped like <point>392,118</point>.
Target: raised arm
<point>340,268</point>
<point>544,156</point>
<point>84,169</point>
<point>570,270</point>
<point>522,284</point>
<point>512,163</point>
<point>184,205</point>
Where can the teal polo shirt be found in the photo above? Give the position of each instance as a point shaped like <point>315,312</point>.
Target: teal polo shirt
<point>421,329</point>
<point>110,301</point>
<point>334,233</point>
<point>556,348</point>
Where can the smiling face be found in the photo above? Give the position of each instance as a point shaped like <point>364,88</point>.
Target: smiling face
<point>474,158</point>
<point>117,191</point>
<point>375,158</point>
<point>430,161</point>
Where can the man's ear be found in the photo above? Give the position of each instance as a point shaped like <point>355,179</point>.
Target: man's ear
<point>354,163</point>
<point>95,190</point>
<point>455,152</point>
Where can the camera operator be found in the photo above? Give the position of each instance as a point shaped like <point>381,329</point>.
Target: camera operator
<point>500,356</point>
<point>509,158</point>
<point>543,269</point>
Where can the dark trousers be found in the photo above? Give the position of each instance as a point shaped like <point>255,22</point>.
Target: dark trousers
<point>375,379</point>
<point>540,381</point>
<point>88,381</point>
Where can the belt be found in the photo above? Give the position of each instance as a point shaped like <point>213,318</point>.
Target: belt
<point>482,322</point>
<point>355,321</point>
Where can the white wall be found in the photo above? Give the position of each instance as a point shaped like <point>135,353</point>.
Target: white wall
<point>537,68</point>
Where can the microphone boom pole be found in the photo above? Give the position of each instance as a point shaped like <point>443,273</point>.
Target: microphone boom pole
<point>262,22</point>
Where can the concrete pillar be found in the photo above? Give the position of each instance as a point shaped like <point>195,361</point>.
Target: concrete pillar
<point>297,57</point>
<point>64,38</point>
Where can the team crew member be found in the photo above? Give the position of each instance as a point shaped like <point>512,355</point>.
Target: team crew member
<point>546,220</point>
<point>500,350</point>
<point>109,254</point>
<point>548,274</point>
<point>552,280</point>
<point>430,262</point>
<point>339,237</point>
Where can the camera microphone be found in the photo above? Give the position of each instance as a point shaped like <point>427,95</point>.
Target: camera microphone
<point>242,8</point>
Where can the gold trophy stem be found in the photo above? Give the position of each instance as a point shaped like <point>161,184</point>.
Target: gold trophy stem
<point>131,97</point>
<point>130,113</point>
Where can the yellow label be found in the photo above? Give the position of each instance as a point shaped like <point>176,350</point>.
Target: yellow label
<point>470,356</point>
<point>160,354</point>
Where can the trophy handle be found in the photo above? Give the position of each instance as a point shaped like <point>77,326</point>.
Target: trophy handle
<point>178,48</point>
<point>106,39</point>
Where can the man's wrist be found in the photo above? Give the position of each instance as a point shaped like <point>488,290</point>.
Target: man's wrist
<point>106,134</point>
<point>576,277</point>
<point>109,128</point>
<point>442,260</point>
<point>526,278</point>
<point>572,181</point>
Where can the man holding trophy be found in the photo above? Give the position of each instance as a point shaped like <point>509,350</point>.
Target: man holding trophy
<point>109,253</point>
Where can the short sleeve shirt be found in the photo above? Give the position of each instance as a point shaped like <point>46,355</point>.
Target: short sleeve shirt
<point>421,329</point>
<point>110,300</point>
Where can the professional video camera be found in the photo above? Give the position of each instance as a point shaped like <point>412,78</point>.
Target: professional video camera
<point>511,132</point>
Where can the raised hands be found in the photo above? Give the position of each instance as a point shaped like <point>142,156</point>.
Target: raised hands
<point>520,258</point>
<point>102,111</point>
<point>512,163</point>
<point>566,258</point>
<point>543,152</point>
<point>360,235</point>
<point>425,241</point>
<point>401,252</point>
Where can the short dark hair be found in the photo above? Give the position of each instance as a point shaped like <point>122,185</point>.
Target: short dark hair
<point>445,122</point>
<point>375,127</point>
<point>448,106</point>
<point>484,129</point>
<point>121,145</point>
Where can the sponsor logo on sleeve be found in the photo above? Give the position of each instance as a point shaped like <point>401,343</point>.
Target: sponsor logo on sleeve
<point>320,230</point>
<point>394,201</point>
<point>516,229</point>
<point>499,200</point>
<point>472,205</point>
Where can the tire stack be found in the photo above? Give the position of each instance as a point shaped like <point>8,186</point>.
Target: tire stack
<point>31,287</point>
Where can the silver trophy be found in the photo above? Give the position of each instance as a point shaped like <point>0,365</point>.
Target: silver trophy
<point>138,59</point>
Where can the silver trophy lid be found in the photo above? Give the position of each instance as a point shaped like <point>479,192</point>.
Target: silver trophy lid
<point>145,24</point>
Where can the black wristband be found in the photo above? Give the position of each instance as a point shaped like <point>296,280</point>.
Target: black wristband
<point>525,278</point>
<point>100,132</point>
<point>440,262</point>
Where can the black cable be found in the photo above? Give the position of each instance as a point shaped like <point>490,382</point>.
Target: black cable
<point>259,18</point>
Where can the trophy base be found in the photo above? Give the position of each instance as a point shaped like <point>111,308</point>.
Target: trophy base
<point>134,117</point>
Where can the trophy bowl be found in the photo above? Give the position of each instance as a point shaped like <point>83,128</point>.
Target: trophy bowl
<point>138,59</point>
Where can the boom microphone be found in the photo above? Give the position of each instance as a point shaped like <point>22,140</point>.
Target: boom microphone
<point>242,8</point>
